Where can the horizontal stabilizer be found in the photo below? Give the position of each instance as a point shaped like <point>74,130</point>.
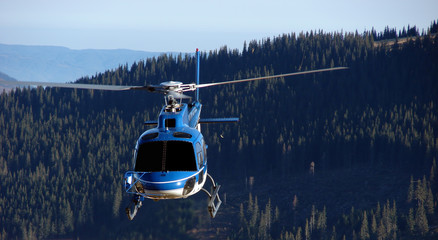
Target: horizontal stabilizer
<point>218,120</point>
<point>151,123</point>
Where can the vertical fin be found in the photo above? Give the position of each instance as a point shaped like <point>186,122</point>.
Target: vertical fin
<point>197,74</point>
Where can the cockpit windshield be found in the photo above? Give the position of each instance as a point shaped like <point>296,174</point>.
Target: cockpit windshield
<point>163,156</point>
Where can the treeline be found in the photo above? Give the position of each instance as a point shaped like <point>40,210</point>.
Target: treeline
<point>385,221</point>
<point>391,33</point>
<point>63,153</point>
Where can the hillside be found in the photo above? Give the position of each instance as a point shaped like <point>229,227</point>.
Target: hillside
<point>60,64</point>
<point>370,132</point>
<point>5,77</point>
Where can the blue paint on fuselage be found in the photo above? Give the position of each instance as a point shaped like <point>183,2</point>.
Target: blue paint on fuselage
<point>185,115</point>
<point>175,124</point>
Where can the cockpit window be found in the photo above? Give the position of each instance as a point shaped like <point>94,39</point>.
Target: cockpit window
<point>162,156</point>
<point>182,135</point>
<point>149,136</point>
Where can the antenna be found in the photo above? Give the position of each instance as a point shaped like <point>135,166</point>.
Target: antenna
<point>197,74</point>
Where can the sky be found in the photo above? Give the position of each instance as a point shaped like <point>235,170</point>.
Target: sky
<point>184,25</point>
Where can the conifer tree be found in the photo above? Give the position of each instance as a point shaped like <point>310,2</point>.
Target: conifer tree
<point>411,190</point>
<point>373,224</point>
<point>307,230</point>
<point>410,221</point>
<point>299,235</point>
<point>421,222</point>
<point>333,236</point>
<point>364,232</point>
<point>322,221</point>
<point>430,202</point>
<point>381,231</point>
<point>312,221</point>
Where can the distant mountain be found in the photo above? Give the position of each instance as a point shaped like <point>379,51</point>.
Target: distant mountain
<point>5,77</point>
<point>61,64</point>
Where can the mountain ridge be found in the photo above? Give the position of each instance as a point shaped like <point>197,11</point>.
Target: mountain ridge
<point>62,64</point>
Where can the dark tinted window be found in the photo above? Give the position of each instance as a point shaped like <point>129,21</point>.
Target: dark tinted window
<point>182,135</point>
<point>165,156</point>
<point>170,123</point>
<point>150,136</point>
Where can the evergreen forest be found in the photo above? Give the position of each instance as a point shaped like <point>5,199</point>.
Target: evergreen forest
<point>349,154</point>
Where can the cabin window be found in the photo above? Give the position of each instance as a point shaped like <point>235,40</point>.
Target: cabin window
<point>205,150</point>
<point>200,155</point>
<point>163,156</point>
<point>170,122</point>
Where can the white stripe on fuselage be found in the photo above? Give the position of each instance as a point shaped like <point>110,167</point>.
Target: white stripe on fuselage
<point>182,179</point>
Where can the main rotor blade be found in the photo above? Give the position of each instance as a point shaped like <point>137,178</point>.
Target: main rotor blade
<point>73,85</point>
<point>270,77</point>
<point>150,88</point>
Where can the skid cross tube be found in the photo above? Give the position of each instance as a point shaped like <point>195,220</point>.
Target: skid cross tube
<point>214,201</point>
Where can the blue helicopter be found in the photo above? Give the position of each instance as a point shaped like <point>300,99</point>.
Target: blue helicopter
<point>170,159</point>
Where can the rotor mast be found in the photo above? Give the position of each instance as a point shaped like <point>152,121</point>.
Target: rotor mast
<point>197,74</point>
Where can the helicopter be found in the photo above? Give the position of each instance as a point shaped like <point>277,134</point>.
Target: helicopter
<point>170,159</point>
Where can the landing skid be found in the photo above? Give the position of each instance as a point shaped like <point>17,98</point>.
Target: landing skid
<point>214,201</point>
<point>133,207</point>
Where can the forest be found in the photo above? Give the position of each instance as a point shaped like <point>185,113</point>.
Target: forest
<point>340,155</point>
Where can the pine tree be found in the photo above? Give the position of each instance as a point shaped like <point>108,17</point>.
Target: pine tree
<point>250,204</point>
<point>298,236</point>
<point>420,191</point>
<point>433,171</point>
<point>277,214</point>
<point>381,231</point>
<point>364,232</point>
<point>321,224</point>
<point>254,214</point>
<point>421,223</point>
<point>429,202</point>
<point>312,221</point>
<point>333,236</point>
<point>411,191</point>
<point>307,230</point>
<point>241,214</point>
<point>268,214</point>
<point>117,201</point>
<point>373,224</point>
<point>410,221</point>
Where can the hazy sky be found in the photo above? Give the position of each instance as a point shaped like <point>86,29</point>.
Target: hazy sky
<point>184,25</point>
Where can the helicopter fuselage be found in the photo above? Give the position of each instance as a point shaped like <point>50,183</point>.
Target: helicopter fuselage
<point>170,160</point>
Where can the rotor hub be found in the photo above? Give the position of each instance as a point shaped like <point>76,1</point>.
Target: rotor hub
<point>171,85</point>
